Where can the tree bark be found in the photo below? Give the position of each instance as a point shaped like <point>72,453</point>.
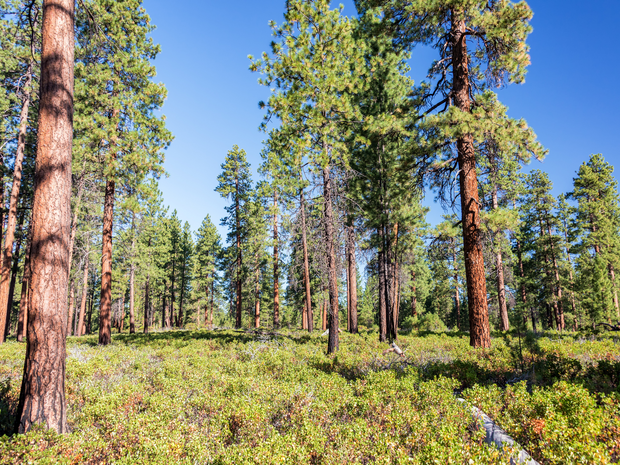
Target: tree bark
<point>334,341</point>
<point>81,329</point>
<point>146,304</point>
<point>382,300</point>
<point>499,266</point>
<point>352,281</point>
<point>7,251</point>
<point>14,269</point>
<point>308,309</point>
<point>257,300</point>
<point>276,275</point>
<point>212,294</point>
<point>457,297</point>
<point>612,275</point>
<point>414,297</point>
<point>132,273</point>
<point>23,302</point>
<point>42,397</point>
<point>238,233</point>
<point>105,329</point>
<point>470,205</point>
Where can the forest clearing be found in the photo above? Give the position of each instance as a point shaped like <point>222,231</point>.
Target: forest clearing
<point>381,273</point>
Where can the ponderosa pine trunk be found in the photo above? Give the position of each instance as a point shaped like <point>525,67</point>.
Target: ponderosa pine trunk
<point>163,306</point>
<point>382,299</point>
<point>556,271</point>
<point>276,275</point>
<point>352,266</point>
<point>212,294</point>
<point>238,237</point>
<point>22,319</point>
<point>207,304</point>
<point>132,274</point>
<point>395,284</point>
<point>14,269</point>
<point>328,217</point>
<point>308,309</point>
<point>470,205</point>
<point>612,275</point>
<point>42,396</point>
<point>457,297</point>
<point>414,297</point>
<point>499,267</point>
<point>81,329</point>
<point>257,300</point>
<point>105,328</point>
<point>7,251</point>
<point>146,304</point>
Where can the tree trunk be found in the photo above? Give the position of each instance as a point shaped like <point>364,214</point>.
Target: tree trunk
<point>238,233</point>
<point>324,315</point>
<point>276,275</point>
<point>352,281</point>
<point>14,270</point>
<point>393,254</point>
<point>499,266</point>
<point>23,302</point>
<point>132,273</point>
<point>414,297</point>
<point>81,330</point>
<point>308,309</point>
<point>470,205</point>
<point>612,275</point>
<point>42,397</point>
<point>382,300</point>
<point>207,304</point>
<point>180,317</point>
<point>71,309</point>
<point>163,307</point>
<point>333,343</point>
<point>212,294</point>
<point>147,306</point>
<point>105,329</point>
<point>257,300</point>
<point>457,297</point>
<point>7,252</point>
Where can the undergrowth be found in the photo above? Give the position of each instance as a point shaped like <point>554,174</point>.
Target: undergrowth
<point>226,397</point>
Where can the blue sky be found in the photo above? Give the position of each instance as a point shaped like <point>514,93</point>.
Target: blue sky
<point>570,96</point>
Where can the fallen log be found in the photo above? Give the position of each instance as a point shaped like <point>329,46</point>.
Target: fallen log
<point>497,436</point>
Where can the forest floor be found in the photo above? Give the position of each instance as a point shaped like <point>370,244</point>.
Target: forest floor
<point>227,397</point>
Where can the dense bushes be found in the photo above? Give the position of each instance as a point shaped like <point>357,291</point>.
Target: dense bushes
<point>230,397</point>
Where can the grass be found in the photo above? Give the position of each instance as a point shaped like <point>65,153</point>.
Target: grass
<point>225,397</point>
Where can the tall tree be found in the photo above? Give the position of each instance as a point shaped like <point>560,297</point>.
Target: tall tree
<point>235,183</point>
<point>208,245</point>
<point>497,53</point>
<point>42,396</point>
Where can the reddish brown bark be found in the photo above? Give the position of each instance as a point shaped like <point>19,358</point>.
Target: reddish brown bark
<point>499,267</point>
<point>80,327</point>
<point>105,328</point>
<point>414,297</point>
<point>238,233</point>
<point>352,280</point>
<point>257,300</point>
<point>147,302</point>
<point>132,273</point>
<point>276,275</point>
<point>7,251</point>
<point>14,270</point>
<point>42,397</point>
<point>22,320</point>
<point>328,218</point>
<point>383,320</point>
<point>612,275</point>
<point>457,296</point>
<point>470,205</point>
<point>309,319</point>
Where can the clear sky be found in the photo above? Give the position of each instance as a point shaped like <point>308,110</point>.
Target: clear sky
<point>570,96</point>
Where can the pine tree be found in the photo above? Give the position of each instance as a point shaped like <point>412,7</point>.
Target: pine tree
<point>598,224</point>
<point>235,183</point>
<point>116,103</point>
<point>208,246</point>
